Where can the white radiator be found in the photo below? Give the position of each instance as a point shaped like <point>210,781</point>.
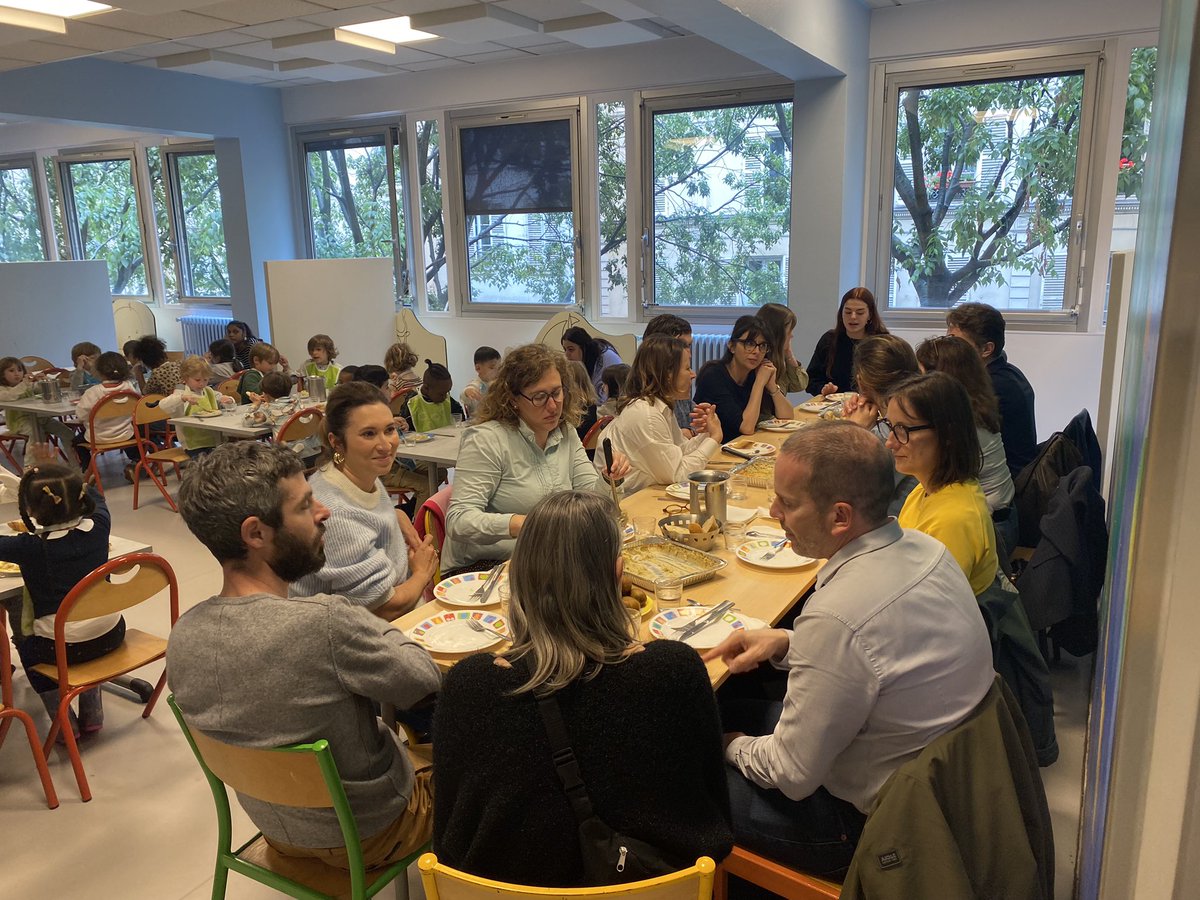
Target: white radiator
<point>706,347</point>
<point>200,331</point>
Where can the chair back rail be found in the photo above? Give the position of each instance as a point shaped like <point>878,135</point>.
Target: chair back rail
<point>301,424</point>
<point>96,596</point>
<point>273,776</point>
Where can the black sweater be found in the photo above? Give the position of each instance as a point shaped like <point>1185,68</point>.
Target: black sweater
<point>842,373</point>
<point>648,740</point>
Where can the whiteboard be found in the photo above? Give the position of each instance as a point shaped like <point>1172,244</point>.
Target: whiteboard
<point>351,300</point>
<point>47,307</point>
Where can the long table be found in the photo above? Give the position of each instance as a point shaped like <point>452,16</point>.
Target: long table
<point>761,593</point>
<point>441,450</point>
<point>229,424</point>
<point>41,410</point>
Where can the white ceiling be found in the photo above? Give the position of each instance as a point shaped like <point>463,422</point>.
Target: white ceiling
<point>251,40</point>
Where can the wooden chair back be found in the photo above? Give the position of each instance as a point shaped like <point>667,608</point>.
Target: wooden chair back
<point>593,433</point>
<point>36,363</point>
<point>301,424</point>
<point>148,411</point>
<point>98,595</point>
<point>117,405</point>
<point>229,387</point>
<point>444,883</point>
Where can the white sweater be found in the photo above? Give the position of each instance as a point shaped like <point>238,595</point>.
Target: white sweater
<point>646,432</point>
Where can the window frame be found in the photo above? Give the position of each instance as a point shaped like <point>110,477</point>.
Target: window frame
<point>31,162</point>
<point>169,153</point>
<point>396,155</point>
<point>453,207</point>
<point>890,77</point>
<point>695,97</point>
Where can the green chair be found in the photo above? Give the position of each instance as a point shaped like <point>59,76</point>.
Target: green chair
<point>303,775</point>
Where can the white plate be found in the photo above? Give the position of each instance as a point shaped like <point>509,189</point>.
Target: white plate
<point>781,425</point>
<point>751,448</point>
<point>752,552</point>
<point>679,490</point>
<point>448,632</point>
<point>207,414</point>
<point>817,404</point>
<point>840,396</point>
<point>415,437</point>
<point>457,590</point>
<point>662,626</point>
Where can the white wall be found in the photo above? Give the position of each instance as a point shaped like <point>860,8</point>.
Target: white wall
<point>49,306</point>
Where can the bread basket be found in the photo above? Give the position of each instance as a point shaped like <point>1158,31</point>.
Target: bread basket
<point>702,541</point>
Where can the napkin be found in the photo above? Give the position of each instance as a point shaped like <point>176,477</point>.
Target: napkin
<point>740,514</point>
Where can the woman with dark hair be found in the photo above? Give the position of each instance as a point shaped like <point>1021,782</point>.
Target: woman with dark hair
<point>595,353</point>
<point>781,325</point>
<point>832,366</point>
<point>658,778</point>
<point>164,373</point>
<point>239,334</point>
<point>742,383</point>
<point>523,448</point>
<point>644,428</point>
<point>373,556</point>
<point>962,362</point>
<point>933,438</point>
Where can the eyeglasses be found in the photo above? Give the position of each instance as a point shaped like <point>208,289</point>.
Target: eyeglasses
<point>541,398</point>
<point>753,346</point>
<point>902,432</point>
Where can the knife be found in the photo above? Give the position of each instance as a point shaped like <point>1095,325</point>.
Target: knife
<point>740,453</point>
<point>482,594</point>
<point>704,621</point>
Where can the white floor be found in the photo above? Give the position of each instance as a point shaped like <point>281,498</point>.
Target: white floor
<point>149,830</point>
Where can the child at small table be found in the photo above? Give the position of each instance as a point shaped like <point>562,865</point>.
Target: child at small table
<point>197,397</point>
<point>487,367</point>
<point>114,371</point>
<point>15,384</point>
<point>322,353</point>
<point>431,407</point>
<point>263,360</point>
<point>222,357</point>
<point>84,356</point>
<point>278,387</point>
<point>399,361</point>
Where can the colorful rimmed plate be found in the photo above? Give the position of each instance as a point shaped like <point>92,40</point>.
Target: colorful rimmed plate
<point>679,490</point>
<point>781,425</point>
<point>752,552</point>
<point>457,590</point>
<point>751,448</point>
<point>663,626</point>
<point>817,404</point>
<point>449,632</point>
<point>840,396</point>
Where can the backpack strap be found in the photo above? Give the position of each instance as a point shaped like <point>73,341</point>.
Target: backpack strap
<point>565,763</point>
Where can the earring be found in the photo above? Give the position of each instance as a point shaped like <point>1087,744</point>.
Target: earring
<point>338,458</point>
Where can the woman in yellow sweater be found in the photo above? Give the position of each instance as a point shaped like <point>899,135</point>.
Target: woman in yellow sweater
<point>933,439</point>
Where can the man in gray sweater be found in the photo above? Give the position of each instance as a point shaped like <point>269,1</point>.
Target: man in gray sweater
<point>252,668</point>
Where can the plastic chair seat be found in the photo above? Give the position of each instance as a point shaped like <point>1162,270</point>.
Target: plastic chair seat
<point>138,649</point>
<point>170,455</point>
<point>772,876</point>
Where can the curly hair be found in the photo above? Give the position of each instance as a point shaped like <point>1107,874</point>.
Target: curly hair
<point>521,368</point>
<point>399,358</point>
<point>323,342</point>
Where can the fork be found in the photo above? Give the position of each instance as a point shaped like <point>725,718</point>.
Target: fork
<point>484,591</point>
<point>476,625</point>
<point>775,548</point>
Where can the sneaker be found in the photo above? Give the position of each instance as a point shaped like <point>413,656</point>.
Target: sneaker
<point>50,701</point>
<point>129,473</point>
<point>91,711</point>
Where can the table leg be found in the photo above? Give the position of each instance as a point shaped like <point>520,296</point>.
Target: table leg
<point>434,481</point>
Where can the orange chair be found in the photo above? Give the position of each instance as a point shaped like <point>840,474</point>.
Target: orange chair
<point>593,433</point>
<point>8,713</point>
<point>152,459</point>
<point>117,405</point>
<point>301,424</point>
<point>431,519</point>
<point>229,387</point>
<point>773,877</point>
<point>8,444</point>
<point>136,578</point>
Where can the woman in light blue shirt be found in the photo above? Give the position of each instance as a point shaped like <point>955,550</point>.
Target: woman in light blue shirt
<point>524,448</point>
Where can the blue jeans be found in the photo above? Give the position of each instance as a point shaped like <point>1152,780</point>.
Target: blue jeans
<point>817,834</point>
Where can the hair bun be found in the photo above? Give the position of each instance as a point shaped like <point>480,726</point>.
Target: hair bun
<point>429,362</point>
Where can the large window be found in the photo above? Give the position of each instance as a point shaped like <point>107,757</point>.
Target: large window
<point>519,202</point>
<point>720,211</point>
<point>987,178</point>
<point>100,205</point>
<point>433,227</point>
<point>355,199</point>
<point>1135,138</point>
<point>611,174</point>
<point>21,237</point>
<point>199,225</point>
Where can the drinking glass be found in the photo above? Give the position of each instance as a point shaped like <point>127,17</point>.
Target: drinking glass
<point>456,419</point>
<point>737,487</point>
<point>668,592</point>
<point>644,526</point>
<point>735,534</point>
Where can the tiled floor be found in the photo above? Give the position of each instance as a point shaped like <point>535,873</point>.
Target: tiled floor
<point>149,830</point>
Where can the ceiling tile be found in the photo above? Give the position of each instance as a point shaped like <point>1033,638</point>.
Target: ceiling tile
<point>263,50</point>
<point>97,37</point>
<point>154,7</point>
<point>457,50</point>
<point>282,28</point>
<point>336,18</point>
<point>495,56</point>
<point>332,45</point>
<point>42,52</point>
<point>6,64</point>
<point>221,39</point>
<point>441,63</point>
<point>556,47</point>
<point>622,9</point>
<point>530,40</point>
<point>213,63</point>
<point>544,9</point>
<point>415,7</point>
<point>167,25</point>
<point>160,48</point>
<point>255,12</point>
<point>601,30</point>
<point>475,23</point>
<point>121,56</point>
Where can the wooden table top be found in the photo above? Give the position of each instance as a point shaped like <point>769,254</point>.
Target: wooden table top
<point>762,593</point>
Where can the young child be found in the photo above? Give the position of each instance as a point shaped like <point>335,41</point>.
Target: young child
<point>114,372</point>
<point>263,360</point>
<point>84,355</point>
<point>278,387</point>
<point>347,374</point>
<point>15,384</point>
<point>137,369</point>
<point>196,397</point>
<point>68,537</point>
<point>487,367</point>
<point>221,357</point>
<point>614,380</point>
<point>399,362</point>
<point>322,353</point>
<point>430,407</point>
<point>371,374</point>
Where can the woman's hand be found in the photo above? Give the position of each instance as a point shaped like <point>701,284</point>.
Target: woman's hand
<point>830,388</point>
<point>861,411</point>
<point>620,467</point>
<point>765,373</point>
<point>423,560</point>
<point>705,421</point>
<point>407,529</point>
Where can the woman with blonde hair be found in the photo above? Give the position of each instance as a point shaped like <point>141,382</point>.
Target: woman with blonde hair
<point>781,325</point>
<point>588,400</point>
<point>524,448</point>
<point>658,778</point>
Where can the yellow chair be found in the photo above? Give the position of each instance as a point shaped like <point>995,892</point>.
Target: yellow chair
<point>153,459</point>
<point>301,425</point>
<point>36,363</point>
<point>302,775</point>
<point>444,883</point>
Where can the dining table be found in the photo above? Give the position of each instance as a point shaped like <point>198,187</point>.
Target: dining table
<point>41,409</point>
<point>438,447</point>
<point>761,593</point>
<point>231,423</point>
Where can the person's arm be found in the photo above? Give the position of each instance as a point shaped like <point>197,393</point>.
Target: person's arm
<point>952,525</point>
<point>376,660</point>
<point>173,404</point>
<point>406,414</point>
<point>651,447</point>
<point>83,409</point>
<point>763,386</point>
<point>817,376</point>
<point>830,693</point>
<point>482,465</point>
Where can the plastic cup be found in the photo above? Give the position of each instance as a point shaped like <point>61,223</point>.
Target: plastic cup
<point>738,486</point>
<point>644,526</point>
<point>668,592</point>
<point>456,420</point>
<point>735,535</point>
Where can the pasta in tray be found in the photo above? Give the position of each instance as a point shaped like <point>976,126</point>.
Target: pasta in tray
<point>759,472</point>
<point>657,558</point>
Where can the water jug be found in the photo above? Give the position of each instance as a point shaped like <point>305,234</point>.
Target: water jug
<point>315,385</point>
<point>709,490</point>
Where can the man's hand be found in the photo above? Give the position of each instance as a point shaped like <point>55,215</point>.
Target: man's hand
<point>743,650</point>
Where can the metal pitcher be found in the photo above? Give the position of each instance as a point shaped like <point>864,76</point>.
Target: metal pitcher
<point>709,490</point>
<point>50,390</point>
<point>315,385</point>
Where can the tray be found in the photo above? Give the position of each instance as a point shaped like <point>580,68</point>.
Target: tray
<point>759,472</point>
<point>652,558</point>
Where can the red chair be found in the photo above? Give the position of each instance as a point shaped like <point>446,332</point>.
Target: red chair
<point>152,459</point>
<point>301,424</point>
<point>593,433</point>
<point>8,713</point>
<point>431,519</point>
<point>773,877</point>
<point>8,446</point>
<point>117,405</point>
<point>136,578</point>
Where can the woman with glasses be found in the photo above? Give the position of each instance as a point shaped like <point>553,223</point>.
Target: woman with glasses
<point>524,448</point>
<point>932,436</point>
<point>831,368</point>
<point>645,429</point>
<point>742,384</point>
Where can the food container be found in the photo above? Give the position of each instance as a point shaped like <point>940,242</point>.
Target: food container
<point>708,492</point>
<point>704,540</point>
<point>653,559</point>
<point>759,473</point>
<point>315,386</point>
<point>50,391</point>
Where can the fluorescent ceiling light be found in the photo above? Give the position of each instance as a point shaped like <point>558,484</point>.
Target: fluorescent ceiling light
<point>396,31</point>
<point>67,9</point>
